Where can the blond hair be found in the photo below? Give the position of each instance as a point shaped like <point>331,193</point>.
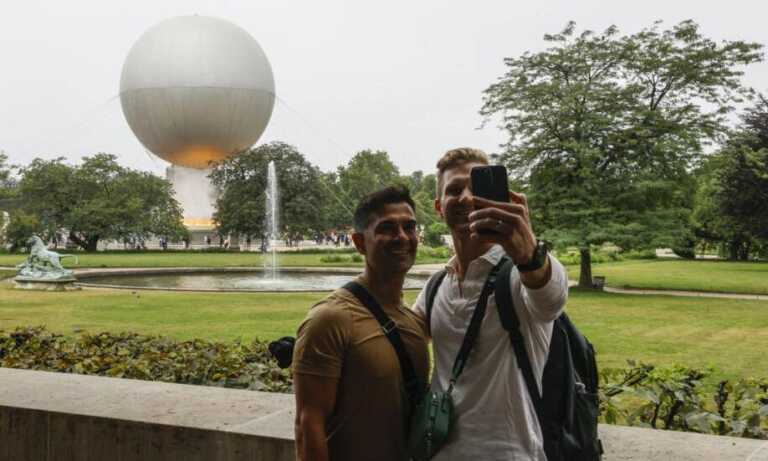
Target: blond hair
<point>456,157</point>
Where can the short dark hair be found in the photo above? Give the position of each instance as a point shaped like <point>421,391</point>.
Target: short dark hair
<point>374,202</point>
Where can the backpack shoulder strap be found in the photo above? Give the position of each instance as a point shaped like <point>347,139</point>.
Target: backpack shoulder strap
<point>511,323</point>
<point>430,292</point>
<point>413,386</point>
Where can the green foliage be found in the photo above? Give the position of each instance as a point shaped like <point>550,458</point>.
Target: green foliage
<point>423,193</point>
<point>441,253</point>
<point>605,128</point>
<point>99,199</point>
<point>365,173</point>
<point>240,209</point>
<point>433,234</point>
<point>6,190</point>
<point>732,198</point>
<point>604,254</point>
<point>341,258</point>
<point>153,358</point>
<point>672,398</point>
<point>20,227</point>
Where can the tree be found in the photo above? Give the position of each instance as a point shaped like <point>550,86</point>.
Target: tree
<point>603,129</point>
<point>242,180</point>
<point>423,193</point>
<point>732,199</point>
<point>5,176</point>
<point>366,172</point>
<point>6,192</point>
<point>98,199</point>
<point>20,227</point>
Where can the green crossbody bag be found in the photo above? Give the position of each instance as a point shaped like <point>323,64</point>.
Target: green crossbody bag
<point>434,416</point>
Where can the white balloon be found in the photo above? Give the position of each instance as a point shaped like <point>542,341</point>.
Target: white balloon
<point>197,89</point>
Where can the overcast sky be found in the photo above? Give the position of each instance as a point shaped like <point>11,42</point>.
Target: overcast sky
<point>405,77</point>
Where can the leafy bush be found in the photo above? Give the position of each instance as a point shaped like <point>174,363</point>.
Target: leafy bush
<point>639,395</point>
<point>640,254</point>
<point>334,258</point>
<point>672,398</point>
<point>312,251</point>
<point>337,258</point>
<point>605,254</point>
<point>425,252</point>
<point>685,252</point>
<point>152,358</point>
<point>433,234</point>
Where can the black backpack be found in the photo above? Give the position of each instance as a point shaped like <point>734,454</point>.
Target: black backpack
<point>569,407</point>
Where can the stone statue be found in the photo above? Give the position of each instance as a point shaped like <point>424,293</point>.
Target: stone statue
<point>43,264</point>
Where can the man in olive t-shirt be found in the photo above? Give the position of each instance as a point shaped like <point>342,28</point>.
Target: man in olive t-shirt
<point>350,396</point>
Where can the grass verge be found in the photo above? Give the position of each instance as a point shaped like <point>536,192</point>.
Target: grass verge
<point>203,259</point>
<point>676,274</point>
<point>731,335</point>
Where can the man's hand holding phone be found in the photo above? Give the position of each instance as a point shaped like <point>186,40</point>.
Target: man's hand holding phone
<point>506,222</point>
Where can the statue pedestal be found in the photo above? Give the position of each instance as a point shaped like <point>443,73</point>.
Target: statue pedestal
<point>63,284</point>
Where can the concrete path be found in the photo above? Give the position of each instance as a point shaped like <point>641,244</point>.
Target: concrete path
<point>701,294</point>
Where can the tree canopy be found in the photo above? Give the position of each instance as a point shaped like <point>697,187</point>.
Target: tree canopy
<point>242,181</point>
<point>604,129</point>
<point>98,199</point>
<point>365,172</point>
<point>732,199</point>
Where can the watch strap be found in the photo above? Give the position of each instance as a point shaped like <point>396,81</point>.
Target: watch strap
<point>537,262</point>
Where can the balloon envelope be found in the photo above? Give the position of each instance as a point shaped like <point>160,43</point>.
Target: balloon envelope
<point>196,89</point>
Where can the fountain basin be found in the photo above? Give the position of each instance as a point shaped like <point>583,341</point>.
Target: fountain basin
<point>228,279</point>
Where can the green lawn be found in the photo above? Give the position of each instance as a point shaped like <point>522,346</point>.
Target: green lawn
<point>197,259</point>
<point>676,274</point>
<point>730,334</point>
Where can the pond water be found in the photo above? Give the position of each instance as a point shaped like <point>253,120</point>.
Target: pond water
<point>236,281</point>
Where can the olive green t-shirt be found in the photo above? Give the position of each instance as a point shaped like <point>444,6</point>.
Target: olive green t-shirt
<point>341,339</point>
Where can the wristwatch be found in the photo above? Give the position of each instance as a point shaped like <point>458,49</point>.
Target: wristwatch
<point>538,259</point>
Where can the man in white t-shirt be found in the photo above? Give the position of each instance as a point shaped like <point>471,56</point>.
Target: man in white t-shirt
<point>496,416</point>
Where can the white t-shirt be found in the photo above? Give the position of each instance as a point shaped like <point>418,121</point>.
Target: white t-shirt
<point>496,416</point>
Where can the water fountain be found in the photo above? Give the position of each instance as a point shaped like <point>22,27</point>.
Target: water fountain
<point>239,279</point>
<point>272,222</point>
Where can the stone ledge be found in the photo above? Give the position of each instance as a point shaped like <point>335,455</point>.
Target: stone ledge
<point>89,417</point>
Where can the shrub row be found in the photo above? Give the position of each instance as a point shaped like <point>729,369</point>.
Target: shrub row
<point>337,258</point>
<point>423,253</point>
<point>152,358</point>
<point>671,398</point>
<point>605,255</point>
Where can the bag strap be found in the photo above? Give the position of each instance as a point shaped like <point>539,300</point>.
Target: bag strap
<point>474,325</point>
<point>511,323</point>
<point>433,284</point>
<point>413,386</point>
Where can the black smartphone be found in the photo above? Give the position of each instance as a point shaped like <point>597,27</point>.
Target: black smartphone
<point>490,182</point>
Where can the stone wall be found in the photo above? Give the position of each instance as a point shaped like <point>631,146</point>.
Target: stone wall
<point>64,417</point>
